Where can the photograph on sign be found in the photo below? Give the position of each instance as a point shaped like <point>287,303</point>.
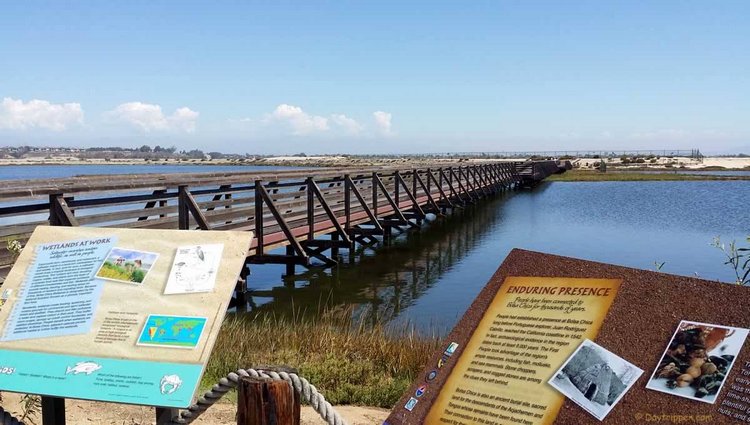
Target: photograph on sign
<point>194,269</point>
<point>127,265</point>
<point>172,331</point>
<point>595,378</point>
<point>697,360</point>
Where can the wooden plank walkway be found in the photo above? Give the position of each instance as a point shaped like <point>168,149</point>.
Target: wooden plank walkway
<point>307,211</point>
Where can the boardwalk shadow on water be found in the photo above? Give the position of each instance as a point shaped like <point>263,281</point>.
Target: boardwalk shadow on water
<point>380,282</point>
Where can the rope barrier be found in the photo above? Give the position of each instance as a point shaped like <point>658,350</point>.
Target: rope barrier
<point>307,392</point>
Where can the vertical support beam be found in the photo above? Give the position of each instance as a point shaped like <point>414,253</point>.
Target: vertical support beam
<point>53,408</point>
<point>59,213</point>
<point>414,182</point>
<point>183,214</point>
<point>479,177</point>
<point>264,197</point>
<point>429,181</point>
<point>375,193</point>
<point>411,195</point>
<point>53,411</point>
<point>370,213</point>
<point>310,210</point>
<point>394,205</point>
<point>313,187</point>
<point>187,206</point>
<point>335,237</point>
<point>348,202</point>
<point>414,193</point>
<point>240,290</point>
<point>259,217</point>
<point>463,189</point>
<point>290,269</point>
<point>443,196</point>
<point>396,191</point>
<point>430,199</point>
<point>152,204</point>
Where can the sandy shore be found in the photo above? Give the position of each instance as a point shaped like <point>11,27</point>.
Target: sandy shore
<point>354,161</point>
<point>88,412</point>
<point>674,162</point>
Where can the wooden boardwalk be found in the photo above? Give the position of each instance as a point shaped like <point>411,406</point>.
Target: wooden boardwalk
<point>310,212</point>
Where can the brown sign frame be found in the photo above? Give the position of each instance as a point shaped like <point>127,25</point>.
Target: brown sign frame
<point>641,321</point>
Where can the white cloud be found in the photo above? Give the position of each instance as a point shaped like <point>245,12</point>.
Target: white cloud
<point>289,119</point>
<point>149,117</point>
<point>20,115</point>
<point>383,122</point>
<point>300,121</point>
<point>349,125</point>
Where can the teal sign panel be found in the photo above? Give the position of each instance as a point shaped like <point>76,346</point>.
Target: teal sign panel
<point>96,378</point>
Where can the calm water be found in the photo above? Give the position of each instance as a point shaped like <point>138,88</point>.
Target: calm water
<point>19,172</point>
<point>430,277</point>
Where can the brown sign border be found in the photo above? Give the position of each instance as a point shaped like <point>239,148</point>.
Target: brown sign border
<point>640,322</point>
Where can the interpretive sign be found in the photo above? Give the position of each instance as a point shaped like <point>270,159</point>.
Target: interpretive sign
<point>531,327</point>
<point>86,313</point>
<point>554,340</point>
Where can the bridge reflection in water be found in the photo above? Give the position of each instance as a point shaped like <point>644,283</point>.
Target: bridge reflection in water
<point>378,283</point>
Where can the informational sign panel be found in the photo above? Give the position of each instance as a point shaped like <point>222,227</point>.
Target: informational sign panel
<point>121,315</point>
<point>531,327</point>
<point>555,340</point>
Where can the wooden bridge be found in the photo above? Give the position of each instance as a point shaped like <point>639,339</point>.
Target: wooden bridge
<point>308,212</point>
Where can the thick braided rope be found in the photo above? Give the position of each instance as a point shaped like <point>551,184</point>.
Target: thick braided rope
<point>307,392</point>
<point>7,419</point>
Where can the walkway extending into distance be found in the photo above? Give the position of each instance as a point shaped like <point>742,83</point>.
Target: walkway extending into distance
<point>310,212</point>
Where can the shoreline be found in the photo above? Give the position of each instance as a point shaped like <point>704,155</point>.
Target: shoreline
<point>615,164</point>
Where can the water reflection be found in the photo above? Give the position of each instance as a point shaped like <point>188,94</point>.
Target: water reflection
<point>381,282</point>
<point>430,277</point>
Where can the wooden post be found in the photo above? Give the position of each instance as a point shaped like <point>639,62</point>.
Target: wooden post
<point>183,213</point>
<point>264,401</point>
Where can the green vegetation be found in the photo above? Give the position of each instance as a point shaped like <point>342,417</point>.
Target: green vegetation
<point>595,176</point>
<point>127,273</point>
<point>737,258</point>
<point>349,362</point>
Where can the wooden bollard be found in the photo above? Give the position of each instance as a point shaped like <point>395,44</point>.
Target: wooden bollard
<point>265,401</point>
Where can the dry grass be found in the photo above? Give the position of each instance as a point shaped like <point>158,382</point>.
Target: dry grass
<point>350,363</point>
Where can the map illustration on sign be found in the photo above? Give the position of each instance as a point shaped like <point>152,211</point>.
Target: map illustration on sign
<point>127,265</point>
<point>194,269</point>
<point>172,331</point>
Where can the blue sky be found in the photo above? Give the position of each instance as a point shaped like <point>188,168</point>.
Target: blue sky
<point>377,77</point>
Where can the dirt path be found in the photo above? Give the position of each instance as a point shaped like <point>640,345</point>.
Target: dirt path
<point>89,412</point>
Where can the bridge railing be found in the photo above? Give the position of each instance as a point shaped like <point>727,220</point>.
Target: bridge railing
<point>291,209</point>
